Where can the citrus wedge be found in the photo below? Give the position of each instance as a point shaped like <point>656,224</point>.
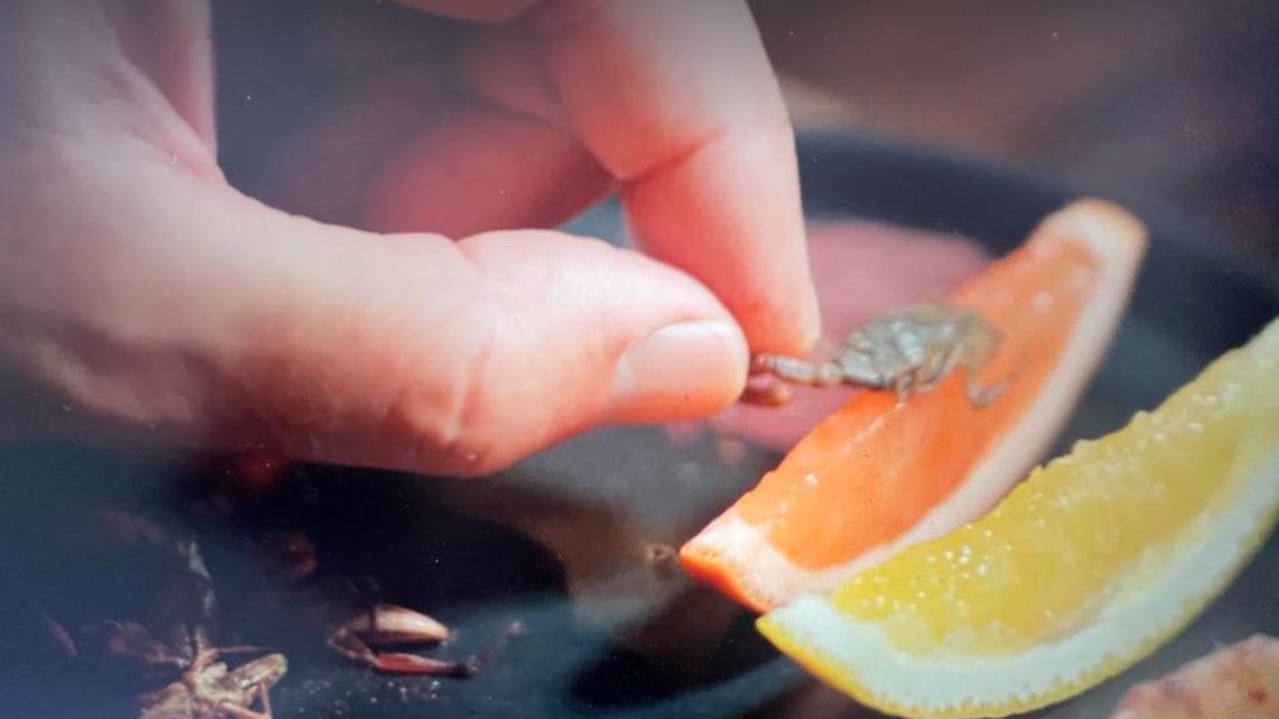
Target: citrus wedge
<point>1087,566</point>
<point>876,476</point>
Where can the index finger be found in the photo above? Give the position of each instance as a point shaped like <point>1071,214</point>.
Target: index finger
<point>679,102</point>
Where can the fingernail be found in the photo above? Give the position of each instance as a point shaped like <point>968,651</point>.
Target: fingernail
<point>682,370</point>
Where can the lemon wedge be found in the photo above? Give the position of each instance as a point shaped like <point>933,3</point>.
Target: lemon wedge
<point>1090,564</point>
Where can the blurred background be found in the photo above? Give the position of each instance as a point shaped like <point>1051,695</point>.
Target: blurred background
<point>1175,102</point>
<point>1172,104</point>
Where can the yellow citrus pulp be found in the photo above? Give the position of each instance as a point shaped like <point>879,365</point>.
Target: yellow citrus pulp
<point>1090,564</point>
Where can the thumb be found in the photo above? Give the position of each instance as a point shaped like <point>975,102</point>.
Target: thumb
<point>205,316</point>
<point>462,357</point>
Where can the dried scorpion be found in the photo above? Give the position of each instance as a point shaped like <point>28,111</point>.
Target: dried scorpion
<point>907,351</point>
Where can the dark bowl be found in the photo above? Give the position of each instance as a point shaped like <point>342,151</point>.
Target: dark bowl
<point>546,570</point>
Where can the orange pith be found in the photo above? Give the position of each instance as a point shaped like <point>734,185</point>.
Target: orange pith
<point>927,445</point>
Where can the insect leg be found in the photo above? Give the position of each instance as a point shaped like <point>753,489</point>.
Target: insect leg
<point>791,369</point>
<point>978,396</point>
<point>259,690</point>
<point>904,386</point>
<point>977,354</point>
<point>238,712</point>
<point>936,371</point>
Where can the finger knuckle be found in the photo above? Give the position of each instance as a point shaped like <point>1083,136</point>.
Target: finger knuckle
<point>453,428</point>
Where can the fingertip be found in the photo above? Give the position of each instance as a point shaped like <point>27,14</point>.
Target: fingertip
<point>789,319</point>
<point>584,335</point>
<point>462,358</point>
<point>683,370</point>
<point>810,321</point>
<point>731,216</point>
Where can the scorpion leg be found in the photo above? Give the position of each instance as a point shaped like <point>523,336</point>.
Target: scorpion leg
<point>974,360</point>
<point>244,713</point>
<point>904,386</point>
<point>792,369</point>
<point>788,369</point>
<point>264,697</point>
<point>978,396</point>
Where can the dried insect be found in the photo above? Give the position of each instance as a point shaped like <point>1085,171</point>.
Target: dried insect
<point>289,584</point>
<point>907,351</point>
<point>387,625</point>
<point>340,609</point>
<point>169,640</point>
<point>209,690</point>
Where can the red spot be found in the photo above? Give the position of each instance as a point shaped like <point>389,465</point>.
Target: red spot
<point>258,471</point>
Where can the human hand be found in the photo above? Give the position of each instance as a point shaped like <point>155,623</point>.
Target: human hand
<point>145,299</point>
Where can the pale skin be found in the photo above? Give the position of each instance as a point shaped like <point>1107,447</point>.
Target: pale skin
<point>145,300</point>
